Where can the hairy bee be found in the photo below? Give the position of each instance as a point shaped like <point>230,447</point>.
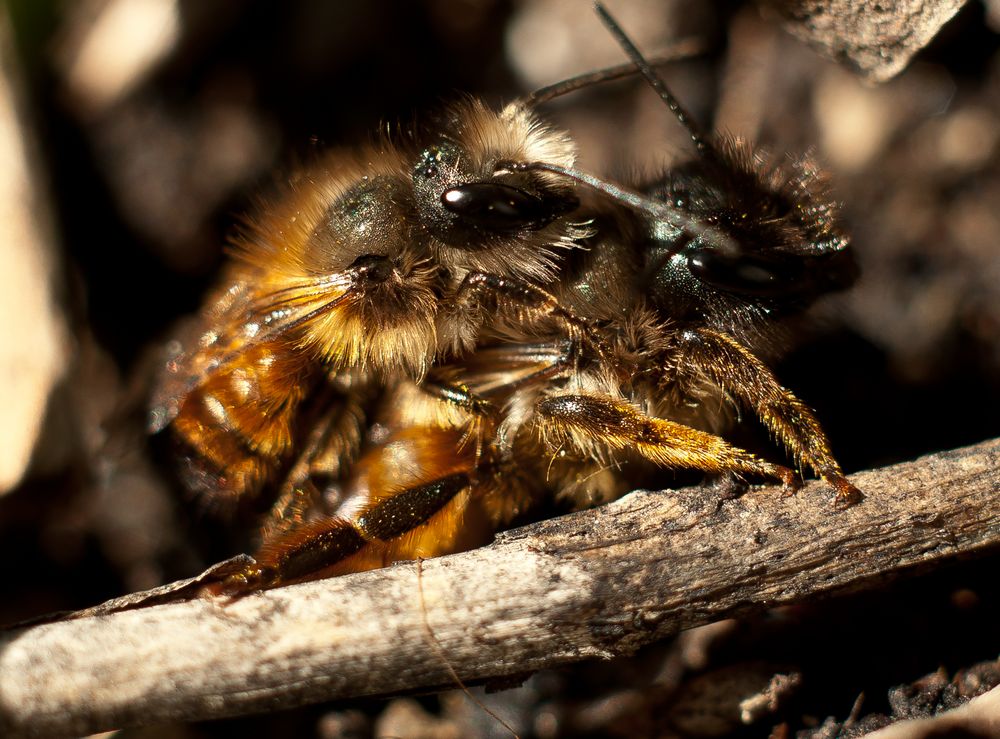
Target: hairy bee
<point>632,355</point>
<point>369,269</point>
<point>371,266</point>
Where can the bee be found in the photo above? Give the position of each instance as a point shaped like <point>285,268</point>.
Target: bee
<point>629,360</point>
<point>369,268</point>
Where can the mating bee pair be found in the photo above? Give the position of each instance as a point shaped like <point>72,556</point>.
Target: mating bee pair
<point>426,336</point>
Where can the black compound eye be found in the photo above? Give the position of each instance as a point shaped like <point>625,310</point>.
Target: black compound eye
<point>493,206</point>
<point>755,275</point>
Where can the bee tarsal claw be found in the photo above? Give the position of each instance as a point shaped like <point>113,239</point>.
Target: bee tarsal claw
<point>846,496</point>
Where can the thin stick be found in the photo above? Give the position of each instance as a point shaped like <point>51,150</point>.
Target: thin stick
<point>599,583</point>
<point>439,652</point>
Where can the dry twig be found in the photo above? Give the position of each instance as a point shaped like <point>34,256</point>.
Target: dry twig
<point>600,583</point>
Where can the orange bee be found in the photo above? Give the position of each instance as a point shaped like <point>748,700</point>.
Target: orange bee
<point>437,333</point>
<point>371,267</point>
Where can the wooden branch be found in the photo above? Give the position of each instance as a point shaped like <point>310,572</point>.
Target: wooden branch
<point>600,583</point>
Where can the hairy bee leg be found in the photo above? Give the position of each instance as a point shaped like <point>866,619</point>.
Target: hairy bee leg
<point>482,413</point>
<point>294,554</point>
<point>738,372</point>
<point>537,303</point>
<point>458,394</point>
<point>333,442</point>
<point>502,370</point>
<point>313,549</point>
<point>618,425</point>
<point>409,508</point>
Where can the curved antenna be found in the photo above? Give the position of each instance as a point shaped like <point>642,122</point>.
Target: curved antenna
<point>681,49</point>
<point>698,137</point>
<point>658,209</point>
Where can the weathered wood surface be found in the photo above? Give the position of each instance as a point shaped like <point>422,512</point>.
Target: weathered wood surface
<point>599,583</point>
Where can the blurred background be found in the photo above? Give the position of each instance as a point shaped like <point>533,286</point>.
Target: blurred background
<point>135,132</point>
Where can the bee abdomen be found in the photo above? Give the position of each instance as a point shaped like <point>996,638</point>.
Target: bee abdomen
<point>238,424</point>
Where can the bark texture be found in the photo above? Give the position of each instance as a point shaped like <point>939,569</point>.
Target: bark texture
<point>595,584</point>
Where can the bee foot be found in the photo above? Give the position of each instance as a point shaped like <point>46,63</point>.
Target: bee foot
<point>847,495</point>
<point>790,481</point>
<point>250,579</point>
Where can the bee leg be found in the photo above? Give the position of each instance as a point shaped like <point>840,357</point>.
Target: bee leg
<point>480,410</point>
<point>294,554</point>
<point>532,302</point>
<point>458,394</point>
<point>404,511</point>
<point>337,545</point>
<point>518,366</point>
<point>585,419</point>
<point>332,442</point>
<point>738,372</point>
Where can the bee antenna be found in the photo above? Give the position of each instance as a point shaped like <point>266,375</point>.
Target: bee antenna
<point>698,137</point>
<point>681,49</point>
<point>658,209</point>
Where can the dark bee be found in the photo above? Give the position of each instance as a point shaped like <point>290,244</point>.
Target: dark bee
<point>688,285</point>
<point>630,359</point>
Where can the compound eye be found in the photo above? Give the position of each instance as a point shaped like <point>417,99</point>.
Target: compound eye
<point>493,206</point>
<point>745,274</point>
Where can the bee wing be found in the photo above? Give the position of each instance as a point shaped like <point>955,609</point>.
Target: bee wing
<point>240,320</point>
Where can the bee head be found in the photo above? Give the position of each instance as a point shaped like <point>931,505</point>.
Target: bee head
<point>367,233</point>
<point>769,239</point>
<point>340,253</point>
<point>483,215</point>
<point>730,238</point>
